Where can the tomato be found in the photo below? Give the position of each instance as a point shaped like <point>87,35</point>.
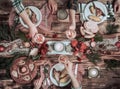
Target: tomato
<point>2,48</point>
<point>117,44</point>
<point>74,43</point>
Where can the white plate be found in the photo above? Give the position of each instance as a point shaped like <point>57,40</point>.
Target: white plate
<point>99,5</point>
<point>38,16</point>
<point>58,67</point>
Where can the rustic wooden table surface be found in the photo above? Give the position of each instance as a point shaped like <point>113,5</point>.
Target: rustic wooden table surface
<point>107,78</point>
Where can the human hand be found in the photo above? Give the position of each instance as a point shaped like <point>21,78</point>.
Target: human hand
<point>68,66</point>
<point>32,32</point>
<point>11,18</point>
<point>72,26</point>
<point>38,82</point>
<point>117,6</point>
<point>52,5</point>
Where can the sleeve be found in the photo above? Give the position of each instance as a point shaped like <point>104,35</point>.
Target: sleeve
<point>72,4</point>
<point>17,4</point>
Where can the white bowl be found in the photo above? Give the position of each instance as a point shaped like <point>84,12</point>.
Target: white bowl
<point>38,16</point>
<point>58,67</point>
<point>93,72</point>
<point>71,34</point>
<point>58,46</point>
<point>39,38</point>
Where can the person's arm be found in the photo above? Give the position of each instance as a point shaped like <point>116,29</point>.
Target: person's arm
<point>72,6</point>
<point>72,19</point>
<point>19,8</point>
<point>52,5</point>
<point>38,82</point>
<point>68,66</point>
<point>75,82</point>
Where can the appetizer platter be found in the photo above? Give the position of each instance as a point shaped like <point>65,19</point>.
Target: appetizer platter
<point>59,76</point>
<point>23,71</point>
<point>34,14</point>
<point>95,11</point>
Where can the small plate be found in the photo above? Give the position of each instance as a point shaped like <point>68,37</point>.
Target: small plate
<point>39,38</point>
<point>59,46</point>
<point>99,5</point>
<point>58,67</point>
<point>70,34</point>
<point>38,16</point>
<point>62,14</point>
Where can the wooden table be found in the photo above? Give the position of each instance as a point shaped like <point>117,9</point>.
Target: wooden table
<point>106,77</point>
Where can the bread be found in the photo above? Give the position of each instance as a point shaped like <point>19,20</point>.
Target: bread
<point>94,18</point>
<point>28,11</point>
<point>60,76</point>
<point>63,73</point>
<point>65,79</point>
<point>92,9</point>
<point>56,74</point>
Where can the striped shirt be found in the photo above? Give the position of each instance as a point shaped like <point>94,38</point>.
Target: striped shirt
<point>17,4</point>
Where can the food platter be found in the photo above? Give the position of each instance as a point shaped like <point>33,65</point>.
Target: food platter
<point>58,67</point>
<point>38,16</point>
<point>23,70</point>
<point>95,11</point>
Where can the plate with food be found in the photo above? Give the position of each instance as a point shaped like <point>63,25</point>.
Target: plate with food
<point>96,11</point>
<point>59,76</point>
<point>63,58</point>
<point>70,34</point>
<point>39,38</point>
<point>34,14</point>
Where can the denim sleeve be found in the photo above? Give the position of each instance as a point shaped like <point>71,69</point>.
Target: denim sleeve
<point>72,4</point>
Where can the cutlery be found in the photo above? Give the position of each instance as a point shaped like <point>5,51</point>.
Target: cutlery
<point>93,4</point>
<point>81,13</point>
<point>76,69</point>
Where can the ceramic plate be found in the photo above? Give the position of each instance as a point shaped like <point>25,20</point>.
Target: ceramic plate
<point>58,67</point>
<point>38,16</point>
<point>99,5</point>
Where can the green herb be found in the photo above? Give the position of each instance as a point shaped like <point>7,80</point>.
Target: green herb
<point>112,28</point>
<point>112,63</point>
<point>22,36</point>
<point>98,37</point>
<point>93,57</point>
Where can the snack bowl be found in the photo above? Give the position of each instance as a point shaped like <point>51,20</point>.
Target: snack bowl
<point>62,14</point>
<point>63,58</point>
<point>71,34</point>
<point>93,72</point>
<point>58,46</point>
<point>39,38</point>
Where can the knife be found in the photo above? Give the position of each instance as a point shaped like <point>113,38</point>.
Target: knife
<point>95,13</point>
<point>76,69</point>
<point>81,13</point>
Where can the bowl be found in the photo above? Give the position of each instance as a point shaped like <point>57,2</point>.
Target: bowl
<point>29,10</point>
<point>93,72</point>
<point>70,34</point>
<point>58,46</point>
<point>62,14</point>
<point>39,38</point>
<point>58,67</point>
<point>63,58</point>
